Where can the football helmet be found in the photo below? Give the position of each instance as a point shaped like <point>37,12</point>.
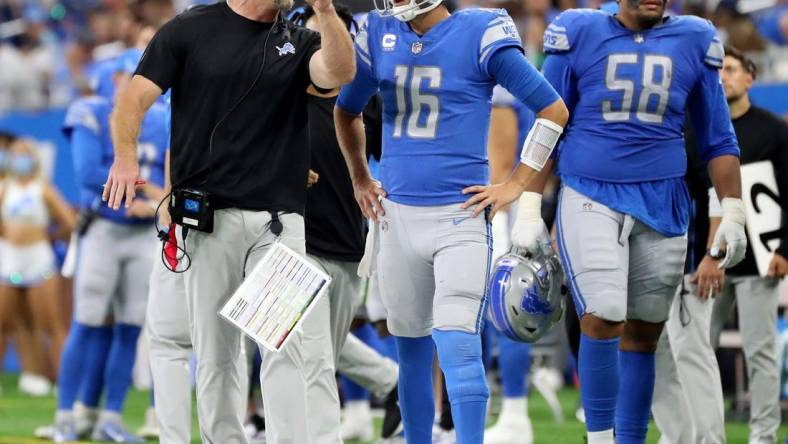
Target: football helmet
<point>407,10</point>
<point>526,294</point>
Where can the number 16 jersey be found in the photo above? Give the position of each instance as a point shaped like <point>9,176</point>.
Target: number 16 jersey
<point>436,94</point>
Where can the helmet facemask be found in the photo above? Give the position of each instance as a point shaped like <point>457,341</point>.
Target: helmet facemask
<point>406,11</point>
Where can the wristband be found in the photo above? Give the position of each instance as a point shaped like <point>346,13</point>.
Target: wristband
<point>540,143</point>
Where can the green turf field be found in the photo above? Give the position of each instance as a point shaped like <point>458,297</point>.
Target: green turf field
<point>19,415</point>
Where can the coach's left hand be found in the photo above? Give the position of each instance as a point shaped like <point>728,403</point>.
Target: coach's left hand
<point>709,278</point>
<point>778,267</point>
<point>497,197</point>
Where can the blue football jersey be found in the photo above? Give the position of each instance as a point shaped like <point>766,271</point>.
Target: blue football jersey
<point>627,93</point>
<point>93,152</point>
<point>101,79</point>
<point>436,94</point>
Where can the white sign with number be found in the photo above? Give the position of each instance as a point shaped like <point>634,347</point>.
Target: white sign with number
<point>762,209</point>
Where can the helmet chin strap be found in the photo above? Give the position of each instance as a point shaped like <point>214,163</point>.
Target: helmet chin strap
<point>406,13</point>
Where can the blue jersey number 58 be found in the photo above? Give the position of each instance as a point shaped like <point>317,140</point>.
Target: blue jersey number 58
<point>650,87</point>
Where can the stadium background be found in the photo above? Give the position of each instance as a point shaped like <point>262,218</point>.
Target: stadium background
<point>48,49</point>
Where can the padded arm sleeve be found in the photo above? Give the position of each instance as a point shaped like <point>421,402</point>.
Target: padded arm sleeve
<point>510,69</point>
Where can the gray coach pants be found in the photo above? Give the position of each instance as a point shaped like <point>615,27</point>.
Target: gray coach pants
<point>688,403</point>
<point>219,262</point>
<point>329,323</point>
<point>756,302</point>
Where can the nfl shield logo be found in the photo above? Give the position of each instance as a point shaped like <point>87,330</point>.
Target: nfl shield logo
<point>416,47</point>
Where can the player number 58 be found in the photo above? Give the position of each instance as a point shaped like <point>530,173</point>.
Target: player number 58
<point>650,88</point>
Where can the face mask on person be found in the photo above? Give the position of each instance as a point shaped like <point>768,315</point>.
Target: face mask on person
<point>22,165</point>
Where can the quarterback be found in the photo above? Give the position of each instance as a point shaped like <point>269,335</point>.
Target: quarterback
<point>435,72</point>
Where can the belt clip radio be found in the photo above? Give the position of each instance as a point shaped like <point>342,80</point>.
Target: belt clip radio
<point>191,209</point>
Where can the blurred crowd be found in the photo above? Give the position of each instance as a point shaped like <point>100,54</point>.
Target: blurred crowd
<point>49,49</point>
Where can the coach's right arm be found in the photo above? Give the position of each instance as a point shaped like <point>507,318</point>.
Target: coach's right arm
<point>130,108</point>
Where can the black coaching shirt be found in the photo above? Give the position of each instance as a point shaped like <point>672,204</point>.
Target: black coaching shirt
<point>762,136</point>
<point>335,227</point>
<point>209,57</point>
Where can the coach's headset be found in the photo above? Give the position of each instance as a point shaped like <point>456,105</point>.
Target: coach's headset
<point>192,208</point>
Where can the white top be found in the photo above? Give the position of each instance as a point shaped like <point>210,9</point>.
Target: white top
<point>24,204</point>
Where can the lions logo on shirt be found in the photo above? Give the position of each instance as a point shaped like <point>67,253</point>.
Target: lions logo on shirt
<point>287,48</point>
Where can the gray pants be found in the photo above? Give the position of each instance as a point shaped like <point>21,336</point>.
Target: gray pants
<point>688,403</point>
<point>756,301</point>
<point>366,367</point>
<point>114,262</point>
<point>170,353</point>
<point>617,267</point>
<point>432,267</point>
<point>329,323</point>
<point>170,345</point>
<point>219,262</point>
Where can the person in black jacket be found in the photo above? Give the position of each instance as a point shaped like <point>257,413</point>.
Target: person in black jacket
<point>690,402</point>
<point>762,137</point>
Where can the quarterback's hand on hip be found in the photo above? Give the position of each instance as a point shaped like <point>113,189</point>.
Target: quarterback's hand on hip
<point>529,231</point>
<point>709,278</point>
<point>121,182</point>
<point>730,236</point>
<point>368,193</point>
<point>778,267</point>
<point>496,197</point>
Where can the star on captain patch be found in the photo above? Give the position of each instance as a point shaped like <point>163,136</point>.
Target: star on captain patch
<point>416,47</point>
<point>639,38</point>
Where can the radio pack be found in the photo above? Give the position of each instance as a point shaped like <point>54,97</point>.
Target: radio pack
<point>191,209</point>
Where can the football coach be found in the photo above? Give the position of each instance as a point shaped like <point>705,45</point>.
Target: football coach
<point>238,74</point>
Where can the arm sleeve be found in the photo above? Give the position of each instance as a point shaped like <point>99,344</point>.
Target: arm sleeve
<point>710,117</point>
<point>162,60</point>
<point>499,32</point>
<point>354,96</point>
<point>86,152</point>
<point>509,67</point>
